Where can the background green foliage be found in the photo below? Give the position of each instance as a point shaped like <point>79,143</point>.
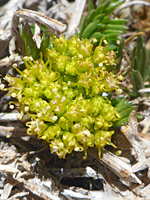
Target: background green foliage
<point>140,68</point>
<point>26,43</point>
<point>98,24</point>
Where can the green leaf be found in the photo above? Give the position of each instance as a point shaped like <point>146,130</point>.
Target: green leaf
<point>139,59</point>
<point>91,16</point>
<point>139,42</point>
<point>139,117</point>
<point>124,108</point>
<point>111,36</point>
<point>98,20</point>
<point>90,6</point>
<point>30,46</point>
<point>133,60</point>
<point>97,35</point>
<point>113,27</point>
<point>138,80</point>
<point>82,24</point>
<point>112,31</point>
<point>145,70</point>
<point>118,21</point>
<point>20,41</point>
<point>90,29</point>
<point>46,43</point>
<point>99,17</point>
<point>102,7</point>
<point>121,122</point>
<point>112,6</point>
<point>120,48</point>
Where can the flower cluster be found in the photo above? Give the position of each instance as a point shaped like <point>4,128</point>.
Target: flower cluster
<point>62,93</point>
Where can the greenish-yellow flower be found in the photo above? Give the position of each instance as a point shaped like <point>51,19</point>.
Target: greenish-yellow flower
<point>62,93</point>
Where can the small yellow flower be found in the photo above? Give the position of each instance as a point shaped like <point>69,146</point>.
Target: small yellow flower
<point>62,94</point>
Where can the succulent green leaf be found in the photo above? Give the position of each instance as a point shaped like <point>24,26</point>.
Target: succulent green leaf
<point>112,6</point>
<point>145,71</point>
<point>124,108</point>
<point>83,21</point>
<point>90,6</point>
<point>89,29</point>
<point>137,80</point>
<point>99,17</point>
<point>91,16</point>
<point>98,20</point>
<point>26,43</point>
<point>140,68</point>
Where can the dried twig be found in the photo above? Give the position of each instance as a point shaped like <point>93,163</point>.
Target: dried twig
<point>146,127</point>
<point>5,117</point>
<point>143,90</point>
<point>76,17</point>
<point>145,191</point>
<point>7,61</point>
<point>20,194</point>
<point>8,169</point>
<point>120,168</point>
<point>130,131</point>
<point>12,131</point>
<point>7,11</point>
<point>74,195</point>
<point>132,37</point>
<point>130,3</point>
<point>53,26</point>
